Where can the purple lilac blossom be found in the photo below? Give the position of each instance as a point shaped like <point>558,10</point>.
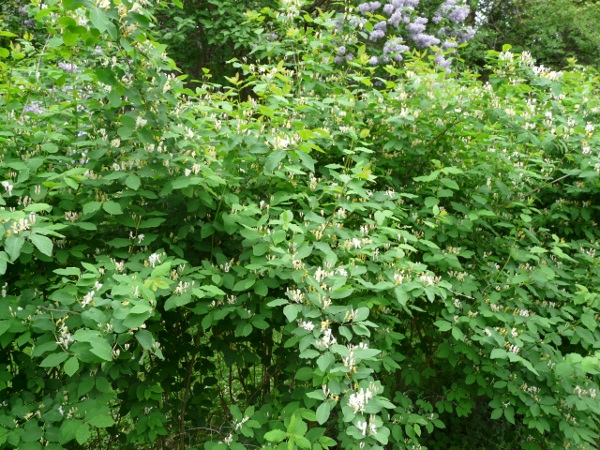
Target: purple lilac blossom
<point>449,44</point>
<point>338,59</point>
<point>466,35</point>
<point>349,57</point>
<point>388,9</point>
<point>375,35</point>
<point>368,7</point>
<point>33,108</point>
<point>380,26</point>
<point>68,67</point>
<point>357,22</point>
<point>418,26</point>
<point>424,40</point>
<point>443,63</point>
<point>459,14</point>
<point>373,60</point>
<point>341,50</point>
<point>394,48</point>
<point>396,18</point>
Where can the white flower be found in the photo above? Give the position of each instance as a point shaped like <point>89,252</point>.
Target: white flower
<point>362,426</point>
<point>358,401</point>
<point>589,127</point>
<point>87,299</point>
<point>154,259</point>
<point>9,187</point>
<point>308,326</point>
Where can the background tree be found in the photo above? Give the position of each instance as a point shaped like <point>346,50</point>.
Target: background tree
<point>552,30</point>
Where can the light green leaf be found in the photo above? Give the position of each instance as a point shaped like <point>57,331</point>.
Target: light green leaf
<point>291,312</point>
<point>112,208</point>
<point>71,366</point>
<point>323,412</point>
<point>498,353</point>
<point>133,181</point>
<point>588,320</point>
<point>101,421</point>
<point>42,243</point>
<point>443,325</point>
<point>83,433</point>
<point>91,207</point>
<point>54,359</point>
<point>102,349</point>
<point>145,339</point>
<point>3,262</point>
<point>275,435</point>
<point>13,245</point>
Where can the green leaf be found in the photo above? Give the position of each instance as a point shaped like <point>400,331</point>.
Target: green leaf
<point>274,159</point>
<point>323,412</point>
<point>83,433</point>
<point>145,339</point>
<point>101,421</point>
<point>498,353</point>
<point>102,349</point>
<point>91,207</point>
<point>54,359</point>
<point>278,302</point>
<point>13,245</point>
<point>443,325</point>
<point>161,270</point>
<point>3,262</point>
<point>275,435</point>
<point>4,326</point>
<point>304,374</point>
<point>112,208</point>
<point>588,320</point>
<point>71,366</point>
<point>133,181</point>
<point>42,243</point>
<point>291,312</point>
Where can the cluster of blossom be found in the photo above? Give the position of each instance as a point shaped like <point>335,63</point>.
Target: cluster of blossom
<point>404,17</point>
<point>65,339</point>
<point>89,297</point>
<point>23,224</point>
<point>350,360</point>
<point>296,295</point>
<point>183,287</point>
<point>328,339</point>
<point>362,426</point>
<point>359,399</point>
<point>356,243</point>
<point>68,67</point>
<point>33,108</point>
<point>308,326</point>
<point>585,392</point>
<point>8,187</point>
<point>153,259</point>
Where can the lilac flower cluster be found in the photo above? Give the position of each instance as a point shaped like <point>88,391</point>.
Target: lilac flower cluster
<point>68,67</point>
<point>378,31</point>
<point>342,55</point>
<point>404,19</point>
<point>33,108</point>
<point>369,7</point>
<point>455,12</point>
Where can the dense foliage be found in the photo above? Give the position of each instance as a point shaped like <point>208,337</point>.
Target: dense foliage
<point>313,255</point>
<point>554,31</point>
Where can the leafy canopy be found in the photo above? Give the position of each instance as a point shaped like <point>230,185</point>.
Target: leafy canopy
<point>310,256</point>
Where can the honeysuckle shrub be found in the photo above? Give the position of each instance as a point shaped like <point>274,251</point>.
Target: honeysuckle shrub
<point>308,257</point>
